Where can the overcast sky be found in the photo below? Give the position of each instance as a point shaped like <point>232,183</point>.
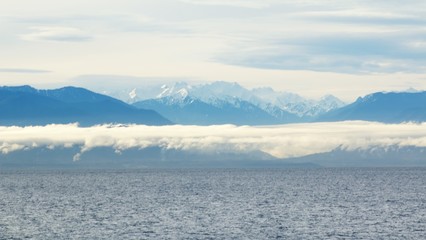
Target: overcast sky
<point>346,48</point>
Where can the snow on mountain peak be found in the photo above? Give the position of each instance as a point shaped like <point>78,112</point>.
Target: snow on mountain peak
<point>164,93</point>
<point>133,94</point>
<point>183,92</point>
<point>331,101</point>
<point>178,90</point>
<point>221,93</point>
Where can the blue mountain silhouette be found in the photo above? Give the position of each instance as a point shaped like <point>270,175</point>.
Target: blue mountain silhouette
<point>25,105</point>
<point>392,107</point>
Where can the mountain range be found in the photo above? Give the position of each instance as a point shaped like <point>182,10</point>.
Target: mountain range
<point>215,103</point>
<point>224,102</point>
<point>24,105</point>
<point>391,107</point>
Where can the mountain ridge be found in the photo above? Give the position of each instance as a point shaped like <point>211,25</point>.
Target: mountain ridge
<point>25,105</point>
<point>196,112</point>
<point>271,106</point>
<point>388,107</point>
<point>264,97</point>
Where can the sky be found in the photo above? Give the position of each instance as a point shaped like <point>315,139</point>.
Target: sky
<point>281,141</point>
<point>345,48</point>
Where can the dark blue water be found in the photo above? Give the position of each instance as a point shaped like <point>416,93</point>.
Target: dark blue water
<point>214,204</point>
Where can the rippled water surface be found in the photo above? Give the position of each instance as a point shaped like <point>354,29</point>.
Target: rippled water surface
<point>214,204</point>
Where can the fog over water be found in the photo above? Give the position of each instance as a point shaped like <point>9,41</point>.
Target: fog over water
<point>292,140</point>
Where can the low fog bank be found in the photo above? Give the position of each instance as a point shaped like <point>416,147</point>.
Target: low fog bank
<point>220,145</point>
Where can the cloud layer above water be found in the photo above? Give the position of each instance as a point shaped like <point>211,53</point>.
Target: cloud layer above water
<point>283,141</point>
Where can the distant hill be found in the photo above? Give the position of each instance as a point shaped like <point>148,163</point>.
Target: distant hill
<point>374,156</point>
<point>25,105</point>
<point>392,107</point>
<point>151,157</point>
<point>154,157</point>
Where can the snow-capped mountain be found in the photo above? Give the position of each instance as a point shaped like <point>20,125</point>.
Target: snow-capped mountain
<point>275,103</point>
<point>295,103</point>
<point>189,110</point>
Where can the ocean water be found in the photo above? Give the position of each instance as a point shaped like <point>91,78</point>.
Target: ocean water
<point>380,203</point>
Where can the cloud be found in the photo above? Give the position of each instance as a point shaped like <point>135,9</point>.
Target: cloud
<point>61,34</point>
<point>361,16</point>
<point>100,23</point>
<point>22,70</point>
<point>230,3</point>
<point>358,53</point>
<point>281,141</point>
<point>291,44</point>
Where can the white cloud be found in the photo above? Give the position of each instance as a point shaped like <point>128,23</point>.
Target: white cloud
<point>310,47</point>
<point>282,141</point>
<point>55,33</point>
<point>22,70</point>
<point>232,3</point>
